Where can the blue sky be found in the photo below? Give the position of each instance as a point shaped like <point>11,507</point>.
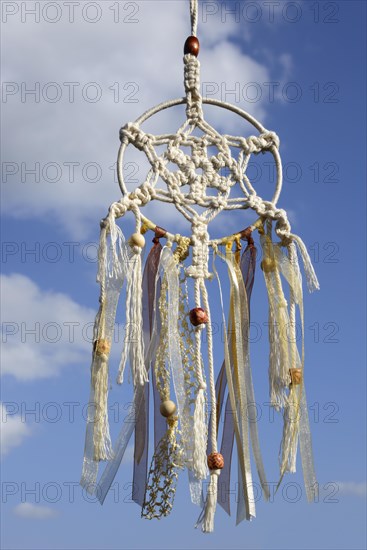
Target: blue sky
<point>311,54</point>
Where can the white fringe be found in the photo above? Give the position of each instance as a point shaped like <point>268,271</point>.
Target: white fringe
<point>206,518</point>
<point>289,443</point>
<point>311,278</point>
<point>200,437</point>
<point>276,385</point>
<point>101,435</point>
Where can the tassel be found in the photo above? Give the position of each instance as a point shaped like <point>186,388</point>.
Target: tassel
<point>200,431</point>
<point>288,448</point>
<point>101,435</point>
<point>206,519</point>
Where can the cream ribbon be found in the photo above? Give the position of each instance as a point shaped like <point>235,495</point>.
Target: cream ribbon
<point>238,398</point>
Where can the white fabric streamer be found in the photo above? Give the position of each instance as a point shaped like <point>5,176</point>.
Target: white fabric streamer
<point>134,341</point>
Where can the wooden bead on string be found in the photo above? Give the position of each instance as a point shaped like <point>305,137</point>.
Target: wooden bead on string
<point>198,316</point>
<point>296,376</point>
<point>102,347</point>
<point>137,239</point>
<point>268,265</point>
<point>167,408</point>
<point>192,46</point>
<point>215,461</point>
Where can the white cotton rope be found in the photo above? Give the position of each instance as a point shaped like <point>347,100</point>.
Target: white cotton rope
<point>194,16</point>
<point>207,521</point>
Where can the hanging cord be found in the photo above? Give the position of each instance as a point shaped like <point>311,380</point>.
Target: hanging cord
<point>194,16</point>
<point>215,459</point>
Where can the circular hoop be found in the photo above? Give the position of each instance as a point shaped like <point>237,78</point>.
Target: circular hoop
<point>209,101</point>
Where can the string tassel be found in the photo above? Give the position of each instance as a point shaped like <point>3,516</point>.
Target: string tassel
<point>289,444</point>
<point>101,436</point>
<point>200,431</point>
<point>206,519</point>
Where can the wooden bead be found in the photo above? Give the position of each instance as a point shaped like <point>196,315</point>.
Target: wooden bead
<point>296,376</point>
<point>102,347</point>
<point>215,461</point>
<point>192,46</point>
<point>137,239</point>
<point>167,408</point>
<point>268,265</point>
<point>198,316</point>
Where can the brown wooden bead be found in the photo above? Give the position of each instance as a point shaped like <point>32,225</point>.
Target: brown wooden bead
<point>268,265</point>
<point>167,408</point>
<point>192,46</point>
<point>102,347</point>
<point>215,461</point>
<point>198,316</point>
<point>296,376</point>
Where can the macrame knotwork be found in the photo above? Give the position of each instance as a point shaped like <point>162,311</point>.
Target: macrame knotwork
<point>169,341</point>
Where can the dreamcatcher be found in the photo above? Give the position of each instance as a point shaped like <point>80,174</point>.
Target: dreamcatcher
<point>165,324</point>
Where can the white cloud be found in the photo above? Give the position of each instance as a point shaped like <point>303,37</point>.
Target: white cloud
<point>28,510</point>
<point>54,343</point>
<point>12,431</point>
<point>141,61</point>
<point>358,489</point>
